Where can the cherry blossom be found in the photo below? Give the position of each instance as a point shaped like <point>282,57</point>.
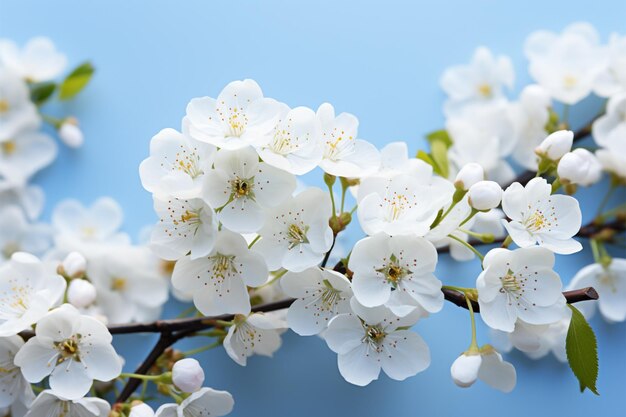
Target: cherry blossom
<point>255,334</point>
<point>13,386</point>
<point>486,365</point>
<point>17,112</point>
<point>202,403</point>
<point>50,404</point>
<point>38,61</point>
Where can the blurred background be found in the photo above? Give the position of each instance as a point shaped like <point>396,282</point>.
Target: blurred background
<point>378,60</point>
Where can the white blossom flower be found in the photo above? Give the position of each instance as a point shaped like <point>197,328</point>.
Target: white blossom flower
<point>344,154</point>
<point>184,227</point>
<point>566,64</point>
<point>403,204</point>
<point>24,154</point>
<point>74,265</point>
<point>295,145</point>
<point>519,284</point>
<point>218,281</point>
<point>240,187</point>
<point>18,235</point>
<point>369,340</point>
<point>469,175</point>
<point>612,78</point>
<point>486,365</point>
<point>320,294</point>
<point>176,165</point>
<point>13,386</point>
<point>28,290</point>
<point>239,117</point>
<point>129,285</point>
<point>484,195</point>
<point>579,167</point>
<point>38,61</point>
<point>483,134</point>
<point>99,222</point>
<point>50,404</point>
<point>17,112</point>
<point>537,217</point>
<point>480,81</point>
<point>257,334</point>
<point>187,375</point>
<point>396,271</point>
<point>202,403</point>
<point>535,340</point>
<point>613,159</point>
<point>610,283</point>
<point>28,197</point>
<point>296,235</point>
<point>81,293</point>
<point>529,115</point>
<point>556,145</point>
<point>610,128</point>
<point>73,349</point>
<point>141,410</point>
<point>70,133</point>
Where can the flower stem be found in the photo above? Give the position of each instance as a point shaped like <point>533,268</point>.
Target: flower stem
<point>203,348</point>
<point>140,376</point>
<point>254,241</point>
<point>473,344</point>
<point>468,246</point>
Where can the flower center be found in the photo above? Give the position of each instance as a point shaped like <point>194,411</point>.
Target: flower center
<point>191,217</point>
<point>536,222</point>
<point>338,145</point>
<point>330,296</point>
<point>394,272</point>
<point>8,147</point>
<point>188,162</point>
<point>4,105</point>
<point>569,81</point>
<point>237,122</point>
<point>374,336</point>
<point>282,143</point>
<point>397,205</point>
<point>485,90</point>
<point>297,235</point>
<point>68,349</point>
<point>119,284</point>
<point>512,285</point>
<point>242,187</point>
<point>223,265</point>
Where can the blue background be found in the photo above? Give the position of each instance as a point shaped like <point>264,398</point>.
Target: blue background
<point>378,60</point>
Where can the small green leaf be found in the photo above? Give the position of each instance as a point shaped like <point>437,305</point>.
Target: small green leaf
<point>582,351</point>
<point>439,153</point>
<point>76,81</point>
<point>439,135</point>
<point>40,93</point>
<point>429,160</point>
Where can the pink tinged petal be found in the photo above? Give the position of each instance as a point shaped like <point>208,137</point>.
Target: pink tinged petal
<point>70,380</point>
<point>360,366</point>
<point>497,373</point>
<point>344,333</point>
<point>405,354</point>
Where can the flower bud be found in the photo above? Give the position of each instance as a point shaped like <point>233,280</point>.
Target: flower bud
<point>485,195</point>
<point>469,175</point>
<point>74,265</point>
<point>139,409</point>
<point>465,368</point>
<point>81,293</point>
<point>70,133</point>
<point>579,167</point>
<point>556,145</point>
<point>188,375</point>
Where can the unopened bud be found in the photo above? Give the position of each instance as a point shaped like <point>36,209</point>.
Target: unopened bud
<point>465,368</point>
<point>74,265</point>
<point>485,195</point>
<point>469,175</point>
<point>579,167</point>
<point>187,375</point>
<point>556,145</point>
<point>140,409</point>
<point>70,133</point>
<point>81,293</point>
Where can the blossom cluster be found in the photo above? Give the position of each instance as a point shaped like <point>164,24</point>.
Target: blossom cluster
<point>256,252</point>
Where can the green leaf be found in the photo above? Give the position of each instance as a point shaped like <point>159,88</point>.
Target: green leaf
<point>439,153</point>
<point>40,93</point>
<point>440,135</point>
<point>582,351</point>
<point>429,160</point>
<point>76,81</point>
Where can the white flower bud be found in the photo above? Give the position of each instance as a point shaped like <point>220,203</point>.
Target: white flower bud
<point>579,167</point>
<point>74,265</point>
<point>81,293</point>
<point>70,133</point>
<point>485,195</point>
<point>188,375</point>
<point>556,145</point>
<point>465,368</point>
<point>469,175</point>
<point>141,410</point>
